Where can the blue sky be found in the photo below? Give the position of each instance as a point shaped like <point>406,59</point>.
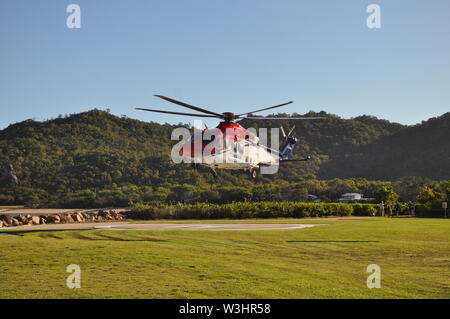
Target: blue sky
<point>225,55</point>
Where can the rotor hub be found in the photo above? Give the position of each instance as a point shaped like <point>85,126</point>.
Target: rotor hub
<point>228,116</point>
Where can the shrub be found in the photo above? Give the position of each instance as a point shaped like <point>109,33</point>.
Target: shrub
<point>429,210</point>
<point>365,209</point>
<point>241,210</point>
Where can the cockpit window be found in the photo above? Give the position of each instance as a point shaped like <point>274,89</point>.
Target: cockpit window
<point>252,138</point>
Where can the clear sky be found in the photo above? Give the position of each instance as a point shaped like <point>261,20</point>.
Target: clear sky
<point>227,55</point>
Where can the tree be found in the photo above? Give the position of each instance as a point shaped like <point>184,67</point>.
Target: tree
<point>386,194</point>
<point>426,195</point>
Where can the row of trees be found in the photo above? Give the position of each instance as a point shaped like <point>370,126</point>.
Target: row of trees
<point>327,191</point>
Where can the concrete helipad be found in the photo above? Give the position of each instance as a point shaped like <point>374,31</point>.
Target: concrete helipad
<point>161,226</point>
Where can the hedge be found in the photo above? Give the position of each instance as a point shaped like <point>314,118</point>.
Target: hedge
<point>242,210</point>
<point>428,210</point>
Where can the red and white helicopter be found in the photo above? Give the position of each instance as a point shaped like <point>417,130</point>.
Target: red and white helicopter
<point>233,146</point>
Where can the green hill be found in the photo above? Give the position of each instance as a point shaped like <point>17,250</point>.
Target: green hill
<point>96,150</point>
<point>419,150</point>
<point>326,140</point>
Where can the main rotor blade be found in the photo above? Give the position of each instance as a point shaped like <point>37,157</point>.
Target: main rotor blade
<point>177,113</point>
<point>267,108</point>
<point>192,107</point>
<point>283,118</point>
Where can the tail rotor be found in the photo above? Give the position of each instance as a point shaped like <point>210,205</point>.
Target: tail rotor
<point>283,132</point>
<point>287,149</point>
<point>291,130</point>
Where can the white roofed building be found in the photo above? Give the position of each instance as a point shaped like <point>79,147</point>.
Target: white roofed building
<point>351,198</point>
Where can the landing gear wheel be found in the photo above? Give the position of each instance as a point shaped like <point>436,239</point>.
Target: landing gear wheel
<point>253,173</point>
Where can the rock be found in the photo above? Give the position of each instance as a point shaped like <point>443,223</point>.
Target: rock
<point>53,219</point>
<point>35,220</point>
<point>46,218</point>
<point>118,216</point>
<point>22,219</point>
<point>7,220</point>
<point>9,176</point>
<point>30,219</point>
<point>15,222</point>
<point>77,217</point>
<point>103,214</point>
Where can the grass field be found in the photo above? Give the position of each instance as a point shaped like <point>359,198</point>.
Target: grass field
<point>321,262</point>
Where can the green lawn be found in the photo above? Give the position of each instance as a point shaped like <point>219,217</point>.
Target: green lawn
<point>327,261</point>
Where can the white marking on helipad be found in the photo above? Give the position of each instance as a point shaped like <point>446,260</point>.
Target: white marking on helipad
<point>191,226</point>
<point>165,226</point>
<point>109,227</point>
<point>236,226</point>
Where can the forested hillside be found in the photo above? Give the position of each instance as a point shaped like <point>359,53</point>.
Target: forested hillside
<point>95,151</point>
<point>87,150</point>
<point>326,140</point>
<point>419,150</point>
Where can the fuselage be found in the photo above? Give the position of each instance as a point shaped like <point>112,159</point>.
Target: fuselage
<point>228,146</point>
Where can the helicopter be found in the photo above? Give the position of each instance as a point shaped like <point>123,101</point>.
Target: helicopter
<point>233,147</point>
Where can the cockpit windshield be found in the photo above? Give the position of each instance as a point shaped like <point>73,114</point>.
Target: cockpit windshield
<point>252,138</point>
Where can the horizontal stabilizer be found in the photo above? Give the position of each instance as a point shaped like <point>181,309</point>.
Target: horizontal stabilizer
<point>296,160</point>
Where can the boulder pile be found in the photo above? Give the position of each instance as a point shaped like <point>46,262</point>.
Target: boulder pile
<point>75,217</point>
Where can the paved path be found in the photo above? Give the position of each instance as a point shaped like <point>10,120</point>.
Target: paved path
<point>158,226</point>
